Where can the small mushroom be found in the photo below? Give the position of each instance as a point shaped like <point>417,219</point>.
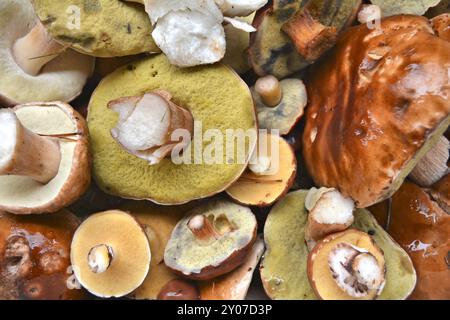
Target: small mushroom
<point>30,58</point>
<point>433,165</point>
<point>110,254</point>
<point>234,285</point>
<point>146,124</point>
<point>441,24</point>
<point>347,265</point>
<point>270,175</point>
<point>279,104</point>
<point>329,212</point>
<point>44,157</point>
<point>213,239</point>
<point>34,257</point>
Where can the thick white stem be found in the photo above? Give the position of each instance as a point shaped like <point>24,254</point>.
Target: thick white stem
<point>33,51</point>
<point>100,258</point>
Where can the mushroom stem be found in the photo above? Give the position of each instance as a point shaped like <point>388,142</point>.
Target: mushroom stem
<point>100,258</point>
<point>25,153</point>
<point>35,50</point>
<point>202,228</point>
<point>433,166</point>
<point>269,89</point>
<point>146,124</point>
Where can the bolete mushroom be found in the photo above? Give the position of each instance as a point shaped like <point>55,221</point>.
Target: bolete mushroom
<point>34,257</point>
<point>329,212</point>
<point>421,225</point>
<point>364,137</point>
<point>100,28</point>
<point>33,66</point>
<point>347,266</point>
<point>441,24</point>
<point>270,175</point>
<point>219,102</point>
<point>213,239</point>
<point>110,254</point>
<point>234,285</point>
<point>279,104</point>
<point>44,157</point>
<point>284,265</point>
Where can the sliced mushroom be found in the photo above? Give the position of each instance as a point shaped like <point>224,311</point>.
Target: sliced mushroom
<point>234,285</point>
<point>271,173</point>
<point>34,257</point>
<point>279,104</point>
<point>110,254</point>
<point>31,59</point>
<point>238,8</point>
<point>347,265</point>
<point>44,158</point>
<point>329,212</point>
<point>146,125</point>
<point>213,239</point>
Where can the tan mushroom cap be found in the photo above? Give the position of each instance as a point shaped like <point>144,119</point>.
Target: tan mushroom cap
<point>59,121</point>
<point>129,249</point>
<point>263,190</point>
<point>377,104</point>
<point>63,78</point>
<point>220,243</point>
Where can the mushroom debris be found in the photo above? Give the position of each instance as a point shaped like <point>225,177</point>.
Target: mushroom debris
<point>329,212</point>
<point>355,270</point>
<point>191,33</point>
<point>146,124</point>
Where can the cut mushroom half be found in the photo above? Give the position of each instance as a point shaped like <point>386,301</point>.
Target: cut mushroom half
<point>44,157</point>
<point>32,59</point>
<point>213,239</point>
<point>347,266</point>
<point>271,173</point>
<point>146,124</point>
<point>110,254</point>
<point>279,104</point>
<point>329,212</point>
<point>238,8</point>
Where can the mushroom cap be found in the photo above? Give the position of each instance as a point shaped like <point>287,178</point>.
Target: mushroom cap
<point>131,253</point>
<point>365,134</point>
<point>284,265</point>
<point>234,285</point>
<point>63,78</point>
<point>23,195</point>
<point>264,190</point>
<point>422,228</point>
<point>195,259</point>
<point>107,28</point>
<point>158,223</point>
<point>288,112</point>
<point>215,95</point>
<point>34,256</point>
<point>319,271</point>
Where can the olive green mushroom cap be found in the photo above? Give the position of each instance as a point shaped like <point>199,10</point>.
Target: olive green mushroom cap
<point>217,98</point>
<point>101,28</point>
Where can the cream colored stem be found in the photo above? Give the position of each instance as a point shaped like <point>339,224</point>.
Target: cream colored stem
<point>433,166</point>
<point>202,228</point>
<point>24,153</point>
<point>35,50</point>
<point>269,89</point>
<point>100,258</point>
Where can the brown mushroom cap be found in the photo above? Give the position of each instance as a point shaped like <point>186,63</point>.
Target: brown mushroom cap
<point>129,254</point>
<point>422,228</point>
<point>219,245</point>
<point>57,120</point>
<point>264,190</point>
<point>378,103</point>
<point>34,256</point>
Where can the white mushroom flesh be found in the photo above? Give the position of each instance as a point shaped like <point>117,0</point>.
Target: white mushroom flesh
<point>8,132</point>
<point>260,165</point>
<point>333,208</point>
<point>100,258</point>
<point>355,270</point>
<point>239,8</point>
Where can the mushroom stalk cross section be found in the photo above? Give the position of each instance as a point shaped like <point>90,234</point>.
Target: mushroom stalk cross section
<point>33,51</point>
<point>25,153</point>
<point>100,258</point>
